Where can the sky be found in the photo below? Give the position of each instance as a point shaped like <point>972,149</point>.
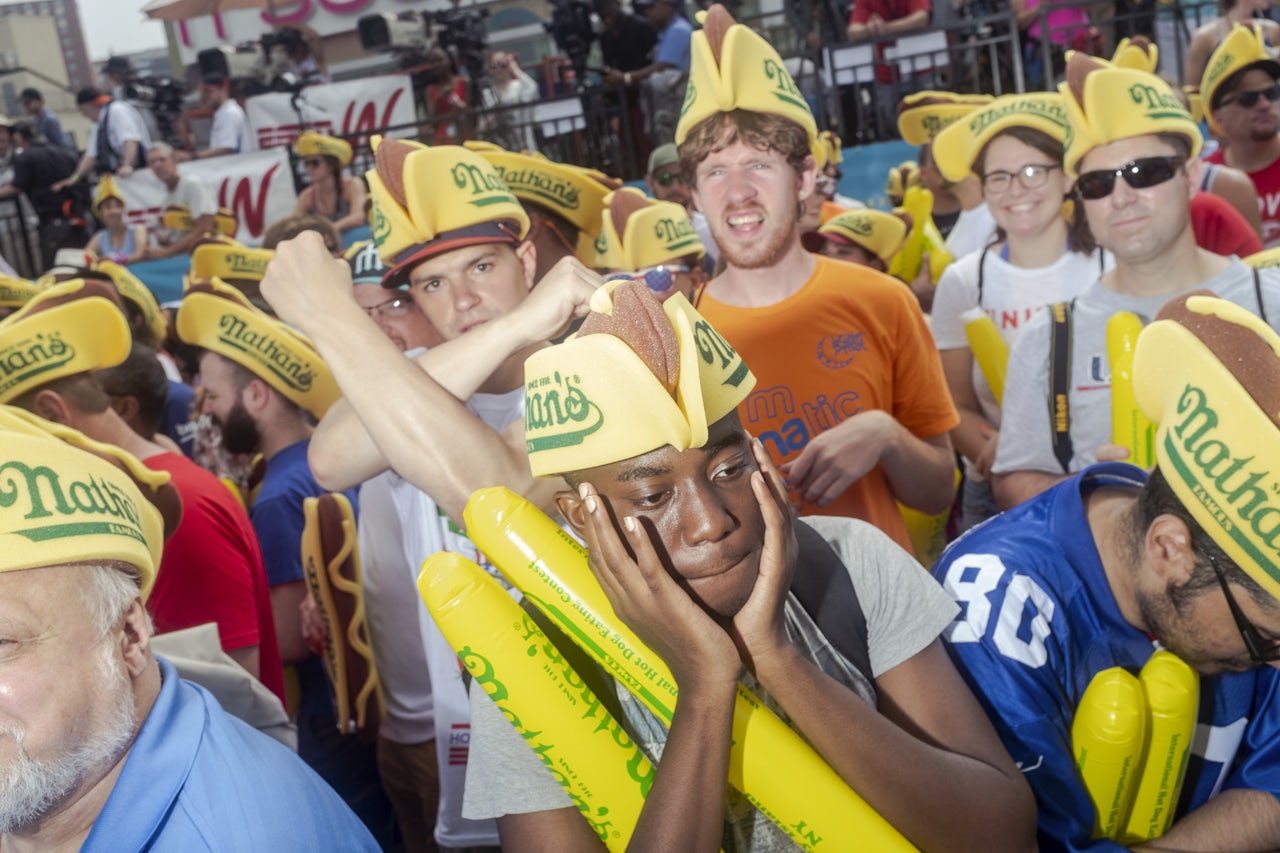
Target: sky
<point>118,26</point>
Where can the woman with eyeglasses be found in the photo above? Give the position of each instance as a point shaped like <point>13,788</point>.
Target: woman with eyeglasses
<point>332,195</point>
<point>1017,155</point>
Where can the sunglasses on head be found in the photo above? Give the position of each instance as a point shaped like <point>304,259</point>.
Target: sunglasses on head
<point>1139,174</point>
<point>1249,99</point>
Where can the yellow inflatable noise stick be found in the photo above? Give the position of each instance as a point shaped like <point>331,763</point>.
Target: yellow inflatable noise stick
<point>928,533</point>
<point>988,348</point>
<point>1129,426</point>
<point>923,237</point>
<point>767,757</point>
<point>1107,737</point>
<point>589,754</point>
<point>1172,691</point>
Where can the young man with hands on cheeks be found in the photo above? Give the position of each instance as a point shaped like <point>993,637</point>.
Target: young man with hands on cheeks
<point>690,535</point>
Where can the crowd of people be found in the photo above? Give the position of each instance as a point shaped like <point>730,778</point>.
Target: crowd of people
<point>740,392</point>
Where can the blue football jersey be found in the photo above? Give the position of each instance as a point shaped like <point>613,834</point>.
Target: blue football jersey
<point>1038,621</point>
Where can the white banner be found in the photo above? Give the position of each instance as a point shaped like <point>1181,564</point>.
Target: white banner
<point>326,17</point>
<point>339,109</point>
<point>256,187</point>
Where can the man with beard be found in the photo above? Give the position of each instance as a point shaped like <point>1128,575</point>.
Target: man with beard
<point>264,384</point>
<point>1241,92</point>
<point>1105,567</point>
<point>102,745</point>
<point>851,403</point>
<point>212,568</point>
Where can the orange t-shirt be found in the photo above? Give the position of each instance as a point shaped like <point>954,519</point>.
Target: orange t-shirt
<point>850,340</point>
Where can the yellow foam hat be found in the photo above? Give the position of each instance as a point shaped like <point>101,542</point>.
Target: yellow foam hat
<point>956,147</point>
<point>733,68</point>
<point>607,253</point>
<point>882,234</point>
<point>70,499</point>
<point>923,115</point>
<point>107,189</point>
<point>647,232</point>
<point>221,319</point>
<point>312,144</point>
<point>595,399</point>
<point>1243,48</point>
<point>575,193</point>
<point>1105,103</point>
<point>429,200</point>
<point>72,327</point>
<point>901,178</point>
<point>828,150</point>
<point>16,292</point>
<point>1195,103</point>
<point>1215,441</point>
<point>132,289</point>
<point>1138,53</point>
<point>229,261</point>
<point>179,218</point>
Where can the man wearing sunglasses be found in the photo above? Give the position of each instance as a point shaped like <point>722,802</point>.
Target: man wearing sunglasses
<point>1128,147</point>
<point>1103,568</point>
<point>1243,99</point>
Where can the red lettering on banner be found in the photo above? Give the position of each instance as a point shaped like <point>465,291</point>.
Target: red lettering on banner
<point>148,216</point>
<point>183,35</point>
<point>367,119</point>
<point>242,203</point>
<point>343,7</point>
<point>219,29</point>
<point>284,134</point>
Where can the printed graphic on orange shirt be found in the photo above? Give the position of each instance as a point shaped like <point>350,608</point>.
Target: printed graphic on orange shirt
<point>839,351</point>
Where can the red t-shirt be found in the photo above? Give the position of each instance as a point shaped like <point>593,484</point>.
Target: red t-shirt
<point>888,10</point>
<point>1220,228</point>
<point>212,570</point>
<point>1267,182</point>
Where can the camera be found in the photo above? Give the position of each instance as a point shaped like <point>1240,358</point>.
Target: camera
<point>571,28</point>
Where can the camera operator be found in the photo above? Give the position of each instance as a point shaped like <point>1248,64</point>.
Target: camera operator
<point>118,138</point>
<point>230,131</point>
<point>39,170</point>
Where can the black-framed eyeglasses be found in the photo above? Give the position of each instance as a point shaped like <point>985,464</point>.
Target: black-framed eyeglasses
<point>1032,176</point>
<point>1139,174</point>
<point>1250,98</point>
<point>396,306</point>
<point>666,179</point>
<point>1261,649</point>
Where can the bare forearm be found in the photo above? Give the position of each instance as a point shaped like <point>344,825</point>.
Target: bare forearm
<point>921,472</point>
<point>914,21</point>
<point>1016,487</point>
<point>685,806</point>
<point>1235,820</point>
<point>938,798</point>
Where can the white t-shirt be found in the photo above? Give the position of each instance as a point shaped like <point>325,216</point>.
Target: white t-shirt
<point>1011,296</point>
<point>974,230</point>
<point>123,125</point>
<point>230,128</point>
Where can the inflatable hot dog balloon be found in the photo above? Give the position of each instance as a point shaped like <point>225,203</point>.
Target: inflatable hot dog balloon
<point>1172,691</point>
<point>1107,738</point>
<point>1130,428</point>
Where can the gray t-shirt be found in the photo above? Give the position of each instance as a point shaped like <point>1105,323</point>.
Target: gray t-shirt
<point>905,610</point>
<point>1026,434</point>
<point>193,195</point>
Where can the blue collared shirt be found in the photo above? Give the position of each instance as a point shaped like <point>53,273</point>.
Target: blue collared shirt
<point>198,779</point>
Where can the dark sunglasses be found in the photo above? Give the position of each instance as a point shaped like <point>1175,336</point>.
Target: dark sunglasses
<point>1139,174</point>
<point>1248,99</point>
<point>1261,649</point>
<point>666,179</point>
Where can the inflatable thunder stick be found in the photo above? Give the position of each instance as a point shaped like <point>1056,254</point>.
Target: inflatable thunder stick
<point>988,348</point>
<point>1129,426</point>
<point>589,754</point>
<point>1107,738</point>
<point>923,237</point>
<point>1172,690</point>
<point>767,757</point>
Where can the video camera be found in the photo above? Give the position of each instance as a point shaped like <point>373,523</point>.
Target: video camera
<point>258,66</point>
<point>461,32</point>
<point>570,26</point>
<point>158,99</point>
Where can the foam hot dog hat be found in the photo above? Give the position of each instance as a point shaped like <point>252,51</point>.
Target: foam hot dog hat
<point>638,375</point>
<point>880,233</point>
<point>132,289</point>
<point>16,292</point>
<point>923,115</point>
<point>1137,52</point>
<point>646,232</point>
<point>1105,103</point>
<point>957,146</point>
<point>733,68</point>
<point>1218,417</point>
<point>1244,48</point>
<point>312,144</point>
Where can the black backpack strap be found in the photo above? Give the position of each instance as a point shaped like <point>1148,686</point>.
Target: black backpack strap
<point>824,589</point>
<point>105,159</point>
<point>982,272</point>
<point>1060,383</point>
<point>1257,292</point>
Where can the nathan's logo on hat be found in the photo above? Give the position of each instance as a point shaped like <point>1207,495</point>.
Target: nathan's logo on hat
<point>380,226</point>
<point>677,233</point>
<point>716,352</point>
<point>557,192</point>
<point>88,506</point>
<point>1039,106</point>
<point>23,360</point>
<point>485,185</point>
<point>1159,102</point>
<point>957,146</point>
<point>784,88</point>
<point>271,352</point>
<point>558,404</point>
<point>1220,63</point>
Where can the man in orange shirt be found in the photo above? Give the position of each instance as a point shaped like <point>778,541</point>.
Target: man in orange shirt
<point>851,402</point>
